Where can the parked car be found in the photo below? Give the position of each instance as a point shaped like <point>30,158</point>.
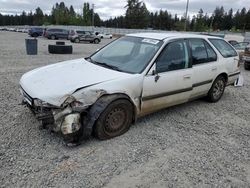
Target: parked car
<point>246,58</point>
<point>56,34</point>
<point>105,35</point>
<point>35,31</point>
<point>79,35</point>
<point>233,42</point>
<point>133,76</point>
<point>240,48</point>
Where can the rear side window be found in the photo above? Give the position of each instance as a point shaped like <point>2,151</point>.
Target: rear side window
<point>223,47</point>
<point>81,32</point>
<point>202,52</point>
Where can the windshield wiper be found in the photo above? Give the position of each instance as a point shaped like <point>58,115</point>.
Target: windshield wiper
<point>104,64</point>
<point>108,66</point>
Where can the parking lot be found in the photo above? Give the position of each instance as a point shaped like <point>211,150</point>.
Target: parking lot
<point>197,144</point>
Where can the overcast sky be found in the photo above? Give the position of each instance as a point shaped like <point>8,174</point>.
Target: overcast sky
<point>112,8</point>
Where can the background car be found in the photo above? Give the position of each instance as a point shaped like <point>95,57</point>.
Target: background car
<point>80,35</point>
<point>35,31</point>
<point>56,34</point>
<point>240,48</point>
<point>105,35</point>
<point>246,58</point>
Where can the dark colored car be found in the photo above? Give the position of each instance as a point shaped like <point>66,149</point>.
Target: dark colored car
<point>56,34</point>
<point>233,42</point>
<point>79,35</point>
<point>246,58</point>
<point>35,31</point>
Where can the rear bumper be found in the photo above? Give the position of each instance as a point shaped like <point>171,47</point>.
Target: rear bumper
<point>233,77</point>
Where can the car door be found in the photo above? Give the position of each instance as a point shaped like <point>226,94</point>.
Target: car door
<point>205,66</point>
<point>229,61</point>
<point>88,36</point>
<point>169,82</point>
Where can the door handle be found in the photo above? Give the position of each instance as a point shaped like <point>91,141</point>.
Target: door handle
<point>187,76</point>
<point>214,68</point>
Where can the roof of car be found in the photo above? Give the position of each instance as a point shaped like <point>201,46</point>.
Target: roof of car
<point>162,36</point>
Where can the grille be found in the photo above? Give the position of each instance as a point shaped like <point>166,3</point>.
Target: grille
<point>27,97</point>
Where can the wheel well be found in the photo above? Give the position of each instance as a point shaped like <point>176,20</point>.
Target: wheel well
<point>118,96</point>
<point>224,75</point>
<point>97,108</point>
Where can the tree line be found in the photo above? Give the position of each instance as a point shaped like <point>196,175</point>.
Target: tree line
<point>137,16</point>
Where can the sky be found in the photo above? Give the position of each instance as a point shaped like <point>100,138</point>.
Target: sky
<point>111,8</point>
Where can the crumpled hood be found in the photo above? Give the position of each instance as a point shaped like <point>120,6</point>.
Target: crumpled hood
<point>52,83</point>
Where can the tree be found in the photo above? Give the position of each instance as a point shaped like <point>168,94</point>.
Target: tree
<point>137,15</point>
<point>86,14</point>
<point>38,17</point>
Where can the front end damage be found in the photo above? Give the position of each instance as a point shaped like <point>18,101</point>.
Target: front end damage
<point>68,118</point>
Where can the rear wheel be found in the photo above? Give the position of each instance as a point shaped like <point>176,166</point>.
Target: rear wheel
<point>96,41</point>
<point>115,120</point>
<point>247,66</point>
<point>53,37</point>
<point>217,89</point>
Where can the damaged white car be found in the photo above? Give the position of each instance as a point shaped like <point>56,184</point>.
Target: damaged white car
<point>130,77</point>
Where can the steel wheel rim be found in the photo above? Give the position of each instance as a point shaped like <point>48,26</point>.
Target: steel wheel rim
<point>115,121</point>
<point>218,89</point>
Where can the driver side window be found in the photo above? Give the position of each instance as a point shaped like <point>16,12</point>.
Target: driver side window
<point>173,57</point>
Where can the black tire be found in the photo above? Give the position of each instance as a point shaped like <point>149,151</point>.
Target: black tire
<point>35,35</point>
<point>101,37</point>
<point>115,120</point>
<point>60,49</point>
<point>60,43</point>
<point>247,66</point>
<point>53,37</point>
<point>216,91</point>
<point>77,40</point>
<point>96,41</point>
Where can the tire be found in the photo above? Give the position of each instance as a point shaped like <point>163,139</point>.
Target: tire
<point>60,49</point>
<point>115,120</point>
<point>77,40</point>
<point>247,66</point>
<point>35,35</point>
<point>216,91</point>
<point>96,41</point>
<point>53,37</point>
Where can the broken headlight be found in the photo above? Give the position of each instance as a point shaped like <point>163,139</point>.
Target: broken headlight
<point>40,103</point>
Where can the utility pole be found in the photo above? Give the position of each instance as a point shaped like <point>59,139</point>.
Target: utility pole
<point>186,15</point>
<point>93,15</point>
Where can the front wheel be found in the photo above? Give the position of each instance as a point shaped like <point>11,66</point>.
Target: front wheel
<point>115,120</point>
<point>77,40</point>
<point>217,89</point>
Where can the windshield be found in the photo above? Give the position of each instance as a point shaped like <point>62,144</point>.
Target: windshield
<point>127,54</point>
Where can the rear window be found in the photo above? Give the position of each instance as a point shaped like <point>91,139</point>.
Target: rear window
<point>202,52</point>
<point>225,49</point>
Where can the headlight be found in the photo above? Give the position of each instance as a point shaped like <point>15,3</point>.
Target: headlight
<point>40,103</point>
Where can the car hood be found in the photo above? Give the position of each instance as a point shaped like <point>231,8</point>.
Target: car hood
<point>55,82</point>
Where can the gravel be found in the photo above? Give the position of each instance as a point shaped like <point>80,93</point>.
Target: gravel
<point>197,144</point>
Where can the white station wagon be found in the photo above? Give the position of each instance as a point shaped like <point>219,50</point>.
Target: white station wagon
<point>130,77</point>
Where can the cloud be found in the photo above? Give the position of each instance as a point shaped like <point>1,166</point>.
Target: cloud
<point>112,8</point>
